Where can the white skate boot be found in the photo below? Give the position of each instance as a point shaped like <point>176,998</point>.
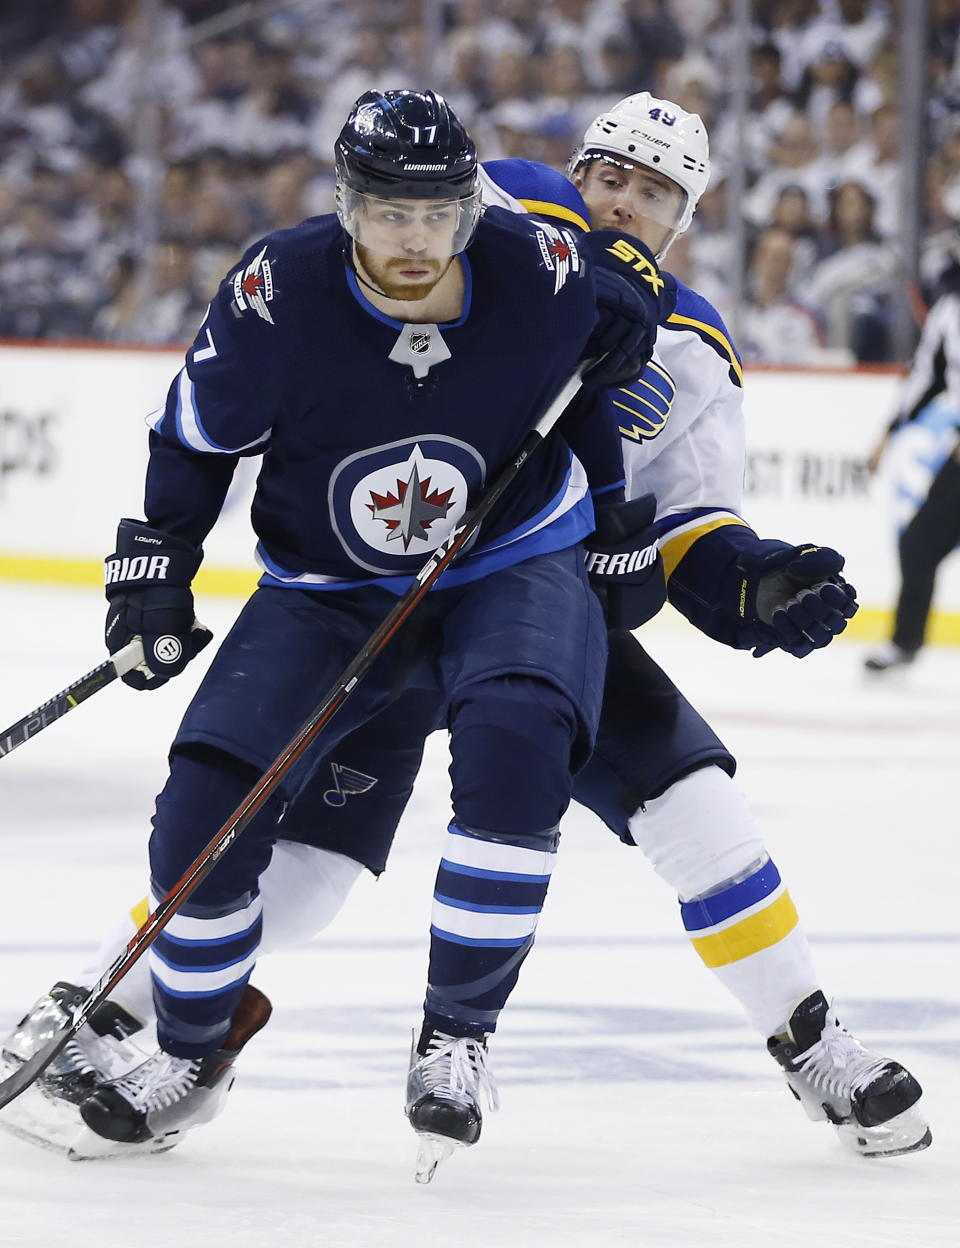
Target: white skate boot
<point>871,1100</point>
<point>46,1113</point>
<point>888,658</point>
<point>447,1077</point>
<point>150,1109</point>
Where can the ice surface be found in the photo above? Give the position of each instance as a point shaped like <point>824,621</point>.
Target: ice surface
<point>638,1107</point>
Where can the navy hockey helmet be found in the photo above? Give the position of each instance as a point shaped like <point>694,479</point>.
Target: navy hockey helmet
<point>407,145</point>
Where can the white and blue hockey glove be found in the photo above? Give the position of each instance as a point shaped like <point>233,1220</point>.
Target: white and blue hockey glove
<point>624,565</point>
<point>795,597</point>
<point>148,590</point>
<point>633,298</point>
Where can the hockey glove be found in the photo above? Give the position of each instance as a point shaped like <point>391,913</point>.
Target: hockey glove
<point>148,589</point>
<point>624,565</point>
<point>633,298</point>
<point>796,595</point>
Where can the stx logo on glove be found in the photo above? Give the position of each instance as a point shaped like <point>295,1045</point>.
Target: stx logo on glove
<point>622,563</point>
<point>139,568</point>
<point>626,251</point>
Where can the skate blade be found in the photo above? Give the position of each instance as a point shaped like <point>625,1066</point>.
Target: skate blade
<point>906,1133</point>
<point>433,1150</point>
<point>88,1146</point>
<point>42,1120</point>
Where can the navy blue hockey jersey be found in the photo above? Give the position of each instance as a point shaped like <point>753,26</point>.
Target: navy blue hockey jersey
<point>377,435</point>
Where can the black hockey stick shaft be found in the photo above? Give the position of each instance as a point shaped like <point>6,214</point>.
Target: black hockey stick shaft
<point>55,708</point>
<point>208,857</point>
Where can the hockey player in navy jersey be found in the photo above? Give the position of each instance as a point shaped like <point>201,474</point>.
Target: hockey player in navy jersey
<point>659,776</point>
<point>385,362</point>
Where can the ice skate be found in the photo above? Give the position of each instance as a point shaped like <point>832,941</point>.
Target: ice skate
<point>888,658</point>
<point>47,1113</point>
<point>151,1108</point>
<point>448,1075</point>
<point>871,1100</point>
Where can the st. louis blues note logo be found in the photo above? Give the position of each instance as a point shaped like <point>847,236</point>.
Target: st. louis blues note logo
<point>392,505</point>
<point>347,782</point>
<point>559,252</point>
<point>253,286</point>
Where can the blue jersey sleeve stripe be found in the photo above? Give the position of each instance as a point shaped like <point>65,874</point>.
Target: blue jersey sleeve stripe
<point>190,428</point>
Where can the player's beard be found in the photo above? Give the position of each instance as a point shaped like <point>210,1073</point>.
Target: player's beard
<point>385,274</point>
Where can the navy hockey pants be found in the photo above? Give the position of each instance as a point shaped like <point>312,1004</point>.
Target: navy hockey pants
<point>515,667</point>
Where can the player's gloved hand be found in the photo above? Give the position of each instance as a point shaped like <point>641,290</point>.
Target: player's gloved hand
<point>796,595</point>
<point>148,591</point>
<point>624,565</point>
<point>633,298</point>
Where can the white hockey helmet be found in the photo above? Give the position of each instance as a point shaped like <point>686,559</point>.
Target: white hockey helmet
<point>658,135</point>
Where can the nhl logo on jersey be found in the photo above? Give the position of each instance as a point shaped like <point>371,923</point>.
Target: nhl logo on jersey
<point>558,249</point>
<point>391,506</point>
<point>253,286</point>
<point>420,346</point>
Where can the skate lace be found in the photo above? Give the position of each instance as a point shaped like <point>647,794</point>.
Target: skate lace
<point>74,1060</point>
<point>160,1081</point>
<point>455,1067</point>
<point>838,1063</point>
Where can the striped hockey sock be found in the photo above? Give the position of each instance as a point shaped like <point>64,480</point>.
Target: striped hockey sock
<point>200,964</point>
<point>486,904</point>
<point>749,934</point>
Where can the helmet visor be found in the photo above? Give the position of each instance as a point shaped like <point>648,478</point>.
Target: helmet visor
<point>432,229</point>
<point>652,194</point>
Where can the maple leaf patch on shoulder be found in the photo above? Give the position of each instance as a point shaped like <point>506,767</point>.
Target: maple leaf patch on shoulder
<point>558,249</point>
<point>253,286</point>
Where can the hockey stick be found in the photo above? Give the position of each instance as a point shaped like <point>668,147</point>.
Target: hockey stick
<point>118,664</point>
<point>436,565</point>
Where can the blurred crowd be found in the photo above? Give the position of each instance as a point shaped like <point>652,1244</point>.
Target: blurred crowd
<point>98,240</point>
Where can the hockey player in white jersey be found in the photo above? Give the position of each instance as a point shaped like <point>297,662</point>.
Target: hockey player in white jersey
<point>660,778</point>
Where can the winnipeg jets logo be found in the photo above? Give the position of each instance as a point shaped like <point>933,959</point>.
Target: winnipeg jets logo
<point>391,505</point>
<point>411,509</point>
<point>347,782</point>
<point>253,286</point>
<point>559,251</point>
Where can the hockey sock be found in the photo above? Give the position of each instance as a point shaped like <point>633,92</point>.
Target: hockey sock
<point>749,934</point>
<point>703,841</point>
<point>200,963</point>
<point>486,903</point>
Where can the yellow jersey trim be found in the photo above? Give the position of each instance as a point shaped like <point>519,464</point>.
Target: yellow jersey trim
<point>673,549</point>
<point>712,332</point>
<point>761,930</point>
<point>547,209</point>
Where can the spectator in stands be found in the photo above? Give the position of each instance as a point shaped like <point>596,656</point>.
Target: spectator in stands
<point>792,213</point>
<point>794,161</point>
<point>851,288</point>
<point>844,148</point>
<point>878,167</point>
<point>830,77</point>
<point>45,289</point>
<point>775,328</point>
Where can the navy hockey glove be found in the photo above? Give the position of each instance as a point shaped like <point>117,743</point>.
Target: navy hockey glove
<point>797,596</point>
<point>633,298</point>
<point>624,565</point>
<point>148,591</point>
